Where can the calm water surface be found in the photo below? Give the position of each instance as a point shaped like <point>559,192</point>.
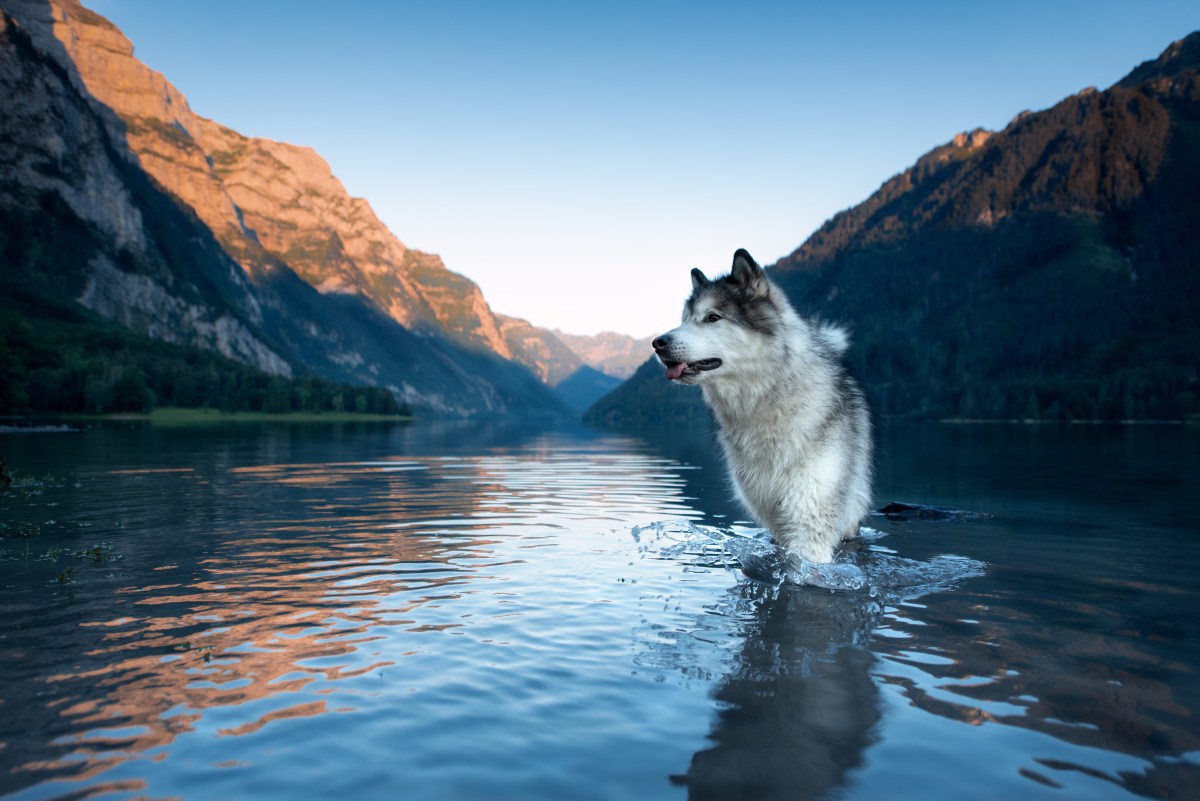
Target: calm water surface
<point>471,611</point>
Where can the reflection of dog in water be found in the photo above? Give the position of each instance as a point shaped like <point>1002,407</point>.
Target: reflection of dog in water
<point>794,426</point>
<point>799,707</point>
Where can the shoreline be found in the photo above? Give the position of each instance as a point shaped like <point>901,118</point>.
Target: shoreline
<point>173,415</point>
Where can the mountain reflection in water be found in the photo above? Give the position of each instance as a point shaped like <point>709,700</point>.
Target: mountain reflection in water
<point>467,611</point>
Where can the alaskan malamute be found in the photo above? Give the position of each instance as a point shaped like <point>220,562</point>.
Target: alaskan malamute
<point>794,426</point>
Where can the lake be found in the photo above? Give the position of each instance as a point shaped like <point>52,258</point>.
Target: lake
<point>490,611</point>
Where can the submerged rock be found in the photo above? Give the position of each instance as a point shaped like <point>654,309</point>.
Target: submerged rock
<point>919,511</point>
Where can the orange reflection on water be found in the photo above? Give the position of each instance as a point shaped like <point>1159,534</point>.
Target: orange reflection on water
<point>253,598</point>
<point>266,624</point>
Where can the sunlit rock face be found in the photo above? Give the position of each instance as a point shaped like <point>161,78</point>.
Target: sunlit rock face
<point>267,202</point>
<point>271,204</point>
<point>547,353</point>
<point>54,144</point>
<point>185,231</point>
<point>44,126</point>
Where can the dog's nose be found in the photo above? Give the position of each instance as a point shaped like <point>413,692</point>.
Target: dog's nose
<point>660,343</point>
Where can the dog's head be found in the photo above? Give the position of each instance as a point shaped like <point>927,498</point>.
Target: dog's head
<point>726,326</point>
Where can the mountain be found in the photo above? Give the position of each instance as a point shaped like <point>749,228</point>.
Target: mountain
<point>584,387</point>
<point>185,231</point>
<point>611,353</point>
<point>542,351</point>
<point>1048,270</point>
<point>265,202</point>
<point>648,400</point>
<point>581,369</point>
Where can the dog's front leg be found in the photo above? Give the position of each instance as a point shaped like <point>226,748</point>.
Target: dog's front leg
<point>807,536</point>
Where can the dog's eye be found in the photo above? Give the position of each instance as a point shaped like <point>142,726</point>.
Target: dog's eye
<point>712,317</point>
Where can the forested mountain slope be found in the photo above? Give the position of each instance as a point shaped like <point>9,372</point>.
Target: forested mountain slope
<point>1049,270</point>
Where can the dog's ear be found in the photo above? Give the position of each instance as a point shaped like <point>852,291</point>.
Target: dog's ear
<point>747,274</point>
<point>698,280</point>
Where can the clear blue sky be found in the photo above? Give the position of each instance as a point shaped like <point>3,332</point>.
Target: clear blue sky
<point>577,159</point>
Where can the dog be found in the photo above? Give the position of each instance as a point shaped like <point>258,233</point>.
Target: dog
<point>794,426</point>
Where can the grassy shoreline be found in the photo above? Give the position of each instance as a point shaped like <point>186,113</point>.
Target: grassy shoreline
<point>173,415</point>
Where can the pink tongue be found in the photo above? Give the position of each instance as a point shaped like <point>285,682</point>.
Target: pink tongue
<point>676,370</point>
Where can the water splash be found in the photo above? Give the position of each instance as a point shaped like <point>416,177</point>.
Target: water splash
<point>880,573</point>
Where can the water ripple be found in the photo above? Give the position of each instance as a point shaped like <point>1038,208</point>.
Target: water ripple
<point>876,570</point>
<point>294,613</point>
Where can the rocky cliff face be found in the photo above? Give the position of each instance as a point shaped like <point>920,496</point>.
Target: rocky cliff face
<point>43,120</point>
<point>188,232</point>
<point>53,143</point>
<point>266,202</point>
<point>544,351</point>
<point>273,206</point>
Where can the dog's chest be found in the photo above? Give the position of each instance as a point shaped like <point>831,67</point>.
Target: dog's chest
<point>760,461</point>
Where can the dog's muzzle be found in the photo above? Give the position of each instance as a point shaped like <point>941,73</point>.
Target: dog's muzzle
<point>678,368</point>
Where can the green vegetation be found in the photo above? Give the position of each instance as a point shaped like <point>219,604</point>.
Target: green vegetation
<point>1039,318</point>
<point>306,251</point>
<point>17,537</point>
<point>94,368</point>
<point>168,415</point>
<point>173,135</point>
<point>649,400</point>
<point>57,357</point>
<point>584,386</point>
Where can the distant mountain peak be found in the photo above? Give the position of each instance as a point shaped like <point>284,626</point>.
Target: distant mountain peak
<point>1180,56</point>
<point>1080,155</point>
<point>972,140</point>
<point>611,353</point>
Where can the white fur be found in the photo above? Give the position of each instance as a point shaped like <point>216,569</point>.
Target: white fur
<point>794,428</point>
